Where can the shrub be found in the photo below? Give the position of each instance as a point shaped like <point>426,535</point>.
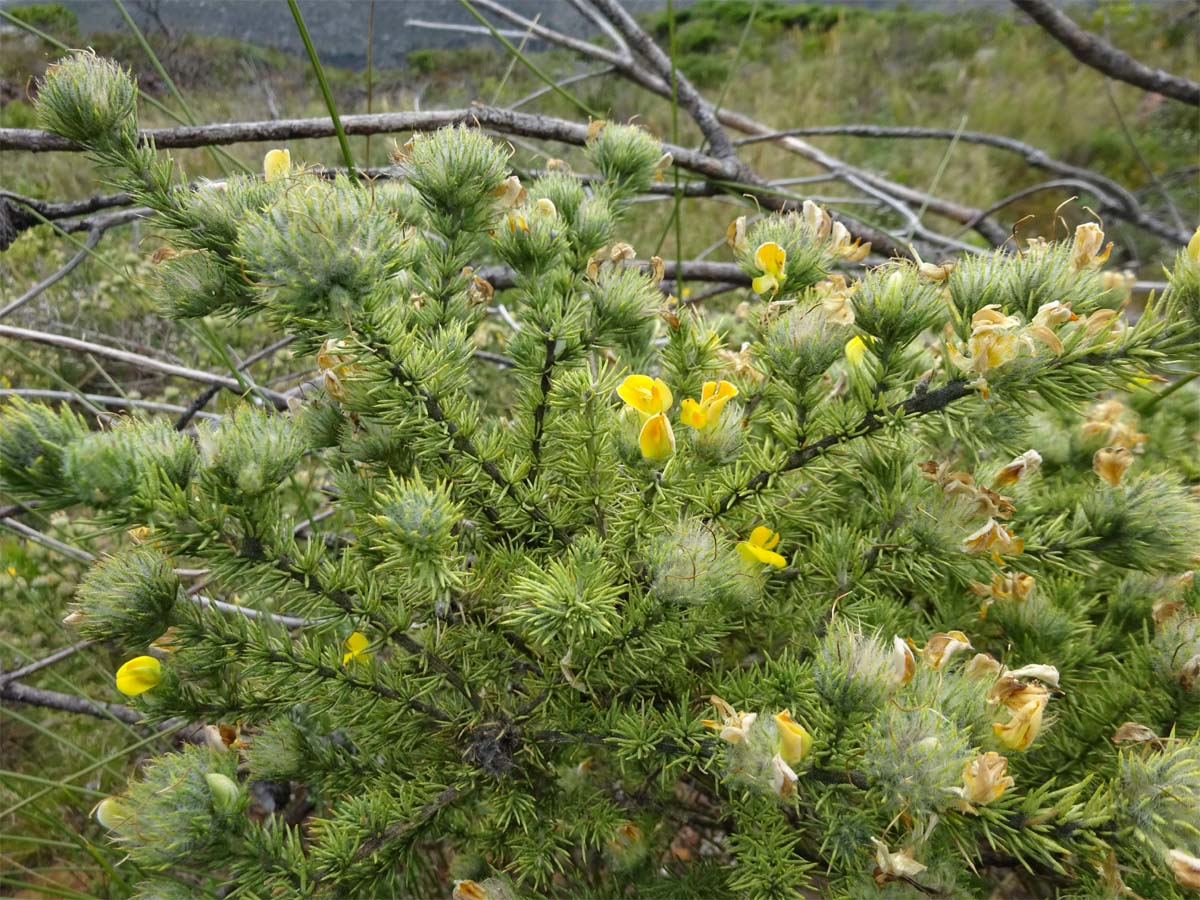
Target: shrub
<point>861,607</point>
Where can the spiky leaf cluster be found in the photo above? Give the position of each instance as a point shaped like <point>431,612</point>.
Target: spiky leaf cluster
<point>857,616</point>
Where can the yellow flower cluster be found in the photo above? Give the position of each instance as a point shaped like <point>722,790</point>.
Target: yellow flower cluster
<point>1023,692</point>
<point>785,738</point>
<point>652,399</point>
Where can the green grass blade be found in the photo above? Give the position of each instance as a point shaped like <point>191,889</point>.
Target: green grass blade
<point>319,71</point>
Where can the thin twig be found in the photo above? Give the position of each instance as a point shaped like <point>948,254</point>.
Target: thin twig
<point>136,359</point>
<point>44,662</point>
<point>19,693</point>
<point>93,238</point>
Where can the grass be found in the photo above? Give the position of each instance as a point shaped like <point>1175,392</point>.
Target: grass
<point>794,65</point>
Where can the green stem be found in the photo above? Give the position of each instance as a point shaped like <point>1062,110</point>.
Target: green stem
<point>319,71</point>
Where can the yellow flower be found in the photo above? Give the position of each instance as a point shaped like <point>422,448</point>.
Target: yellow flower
<point>794,740</point>
<point>993,342</point>
<point>846,246</point>
<point>1110,463</point>
<point>1026,701</point>
<point>1104,422</point>
<point>1042,672</point>
<point>733,725</point>
<point>1012,586</point>
<point>771,259</point>
<point>277,164</point>
<point>984,780</point>
<point>760,546</point>
<point>941,648</point>
<point>656,439</point>
<point>356,648</point>
<point>1193,247</point>
<point>649,396</point>
<point>981,666</point>
<point>517,221</point>
<point>703,416</point>
<point>856,349</point>
<point>469,890</point>
<point>1022,728</point>
<point>1184,866</point>
<point>996,539</point>
<point>139,675</point>
<point>510,193</point>
<point>890,866</point>
<point>835,293</point>
<point>1085,249</point>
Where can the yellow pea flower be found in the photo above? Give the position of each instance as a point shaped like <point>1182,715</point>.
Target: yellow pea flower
<point>277,164</point>
<point>649,396</point>
<point>703,416</point>
<point>356,648</point>
<point>759,549</point>
<point>1086,250</point>
<point>856,349</point>
<point>1193,247</point>
<point>771,259</point>
<point>139,675</point>
<point>1021,730</point>
<point>794,741</point>
<point>657,440</point>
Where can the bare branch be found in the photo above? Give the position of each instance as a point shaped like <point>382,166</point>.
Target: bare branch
<point>1097,53</point>
<point>19,693</point>
<point>44,662</point>
<point>137,359</point>
<point>1112,196</point>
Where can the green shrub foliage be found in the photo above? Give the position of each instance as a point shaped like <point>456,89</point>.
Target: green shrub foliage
<point>882,590</point>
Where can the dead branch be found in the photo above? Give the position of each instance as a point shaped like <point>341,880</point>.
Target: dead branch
<point>1097,53</point>
<point>18,693</point>
<point>137,359</point>
<point>1112,196</point>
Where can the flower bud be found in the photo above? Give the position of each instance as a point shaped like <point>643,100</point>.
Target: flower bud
<point>113,813</point>
<point>88,99</point>
<point>225,792</point>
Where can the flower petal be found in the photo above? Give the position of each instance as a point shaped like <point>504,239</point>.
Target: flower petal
<point>657,440</point>
<point>693,414</point>
<point>771,258</point>
<point>139,675</point>
<point>277,164</point>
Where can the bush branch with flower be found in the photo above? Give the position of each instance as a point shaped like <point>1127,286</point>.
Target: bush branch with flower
<point>897,598</point>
